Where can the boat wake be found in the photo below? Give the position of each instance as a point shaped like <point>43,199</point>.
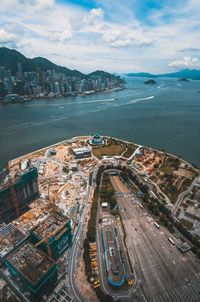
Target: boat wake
<point>90,102</point>
<point>141,99</point>
<point>160,86</point>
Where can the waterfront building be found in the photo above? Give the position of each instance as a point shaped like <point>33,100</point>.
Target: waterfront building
<point>96,139</point>
<point>82,152</point>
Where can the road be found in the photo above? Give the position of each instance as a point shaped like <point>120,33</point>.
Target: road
<point>78,238</point>
<point>164,274</point>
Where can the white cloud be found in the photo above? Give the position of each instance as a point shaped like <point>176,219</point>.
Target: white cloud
<point>62,36</point>
<point>185,62</point>
<point>24,4</point>
<point>7,37</point>
<point>109,37</point>
<point>123,38</point>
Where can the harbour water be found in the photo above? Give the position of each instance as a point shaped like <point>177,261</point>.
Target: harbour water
<point>164,116</point>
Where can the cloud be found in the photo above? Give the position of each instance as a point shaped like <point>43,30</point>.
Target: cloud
<point>189,50</point>
<point>122,38</point>
<point>23,4</point>
<point>62,36</point>
<point>7,37</point>
<point>185,62</point>
<point>104,34</point>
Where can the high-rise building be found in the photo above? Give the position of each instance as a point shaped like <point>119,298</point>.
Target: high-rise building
<point>17,193</point>
<point>53,235</point>
<point>36,271</point>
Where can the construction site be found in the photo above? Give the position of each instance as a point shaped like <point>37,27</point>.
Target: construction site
<point>42,198</point>
<point>45,201</point>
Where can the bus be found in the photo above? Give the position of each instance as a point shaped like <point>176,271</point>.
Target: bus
<point>171,241</point>
<point>157,225</point>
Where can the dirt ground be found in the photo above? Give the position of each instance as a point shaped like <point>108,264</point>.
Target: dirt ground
<point>82,282</point>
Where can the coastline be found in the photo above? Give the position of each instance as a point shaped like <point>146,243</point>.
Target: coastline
<point>22,99</point>
<point>86,137</point>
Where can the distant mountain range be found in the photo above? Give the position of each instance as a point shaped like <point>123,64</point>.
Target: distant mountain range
<point>193,74</point>
<point>9,58</point>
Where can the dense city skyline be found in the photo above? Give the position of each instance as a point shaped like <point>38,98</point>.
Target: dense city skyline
<point>39,77</point>
<point>138,36</point>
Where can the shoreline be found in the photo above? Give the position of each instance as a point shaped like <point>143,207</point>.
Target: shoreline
<point>73,139</point>
<point>75,94</point>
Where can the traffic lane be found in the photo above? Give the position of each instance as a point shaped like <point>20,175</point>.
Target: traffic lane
<point>164,248</point>
<point>175,259</point>
<point>178,271</point>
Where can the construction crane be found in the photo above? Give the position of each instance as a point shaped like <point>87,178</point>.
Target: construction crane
<point>46,240</point>
<point>12,190</point>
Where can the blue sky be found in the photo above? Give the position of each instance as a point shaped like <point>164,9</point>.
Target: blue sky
<point>114,35</point>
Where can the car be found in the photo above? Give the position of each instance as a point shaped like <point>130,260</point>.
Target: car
<point>135,229</point>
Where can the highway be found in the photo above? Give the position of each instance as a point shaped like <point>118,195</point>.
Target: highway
<point>164,275</point>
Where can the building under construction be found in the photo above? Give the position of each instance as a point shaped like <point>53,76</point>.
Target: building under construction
<point>53,235</point>
<point>16,194</point>
<point>37,272</point>
<point>10,237</point>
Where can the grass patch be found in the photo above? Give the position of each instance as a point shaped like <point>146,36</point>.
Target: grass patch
<point>129,151</point>
<point>111,150</point>
<point>167,169</point>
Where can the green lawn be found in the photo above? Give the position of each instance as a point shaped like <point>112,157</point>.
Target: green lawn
<point>111,150</point>
<point>166,169</point>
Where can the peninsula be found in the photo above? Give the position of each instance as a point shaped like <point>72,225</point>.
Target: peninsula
<point>88,213</point>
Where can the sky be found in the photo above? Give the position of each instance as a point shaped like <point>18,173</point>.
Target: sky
<point>114,35</point>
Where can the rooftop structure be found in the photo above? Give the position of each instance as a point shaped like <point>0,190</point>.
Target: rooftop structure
<point>184,247</point>
<point>53,235</point>
<point>37,271</point>
<point>96,139</point>
<point>10,237</point>
<point>104,204</point>
<point>52,152</point>
<point>81,152</point>
<point>114,262</point>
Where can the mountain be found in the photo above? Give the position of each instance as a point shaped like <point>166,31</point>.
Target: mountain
<point>100,73</point>
<point>141,74</point>
<point>9,58</point>
<point>45,64</point>
<point>193,74</point>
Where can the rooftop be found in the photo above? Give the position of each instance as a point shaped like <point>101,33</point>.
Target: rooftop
<point>115,268</point>
<point>30,261</point>
<point>81,150</point>
<point>18,175</point>
<point>10,237</point>
<point>50,225</point>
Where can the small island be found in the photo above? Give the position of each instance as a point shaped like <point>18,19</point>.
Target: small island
<point>150,82</point>
<point>183,80</point>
